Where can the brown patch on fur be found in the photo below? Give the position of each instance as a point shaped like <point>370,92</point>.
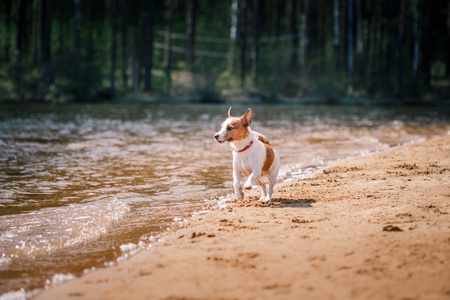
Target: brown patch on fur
<point>270,156</point>
<point>263,139</point>
<point>238,130</point>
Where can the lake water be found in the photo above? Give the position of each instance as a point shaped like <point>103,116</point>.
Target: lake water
<point>82,186</point>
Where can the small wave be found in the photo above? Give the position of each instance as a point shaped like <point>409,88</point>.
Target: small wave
<point>58,279</point>
<point>49,229</point>
<point>22,294</point>
<point>4,260</point>
<point>131,249</point>
<point>18,295</point>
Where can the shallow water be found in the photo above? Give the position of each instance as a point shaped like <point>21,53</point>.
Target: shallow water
<point>81,185</point>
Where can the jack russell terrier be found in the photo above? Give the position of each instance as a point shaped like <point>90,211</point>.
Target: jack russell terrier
<point>253,155</point>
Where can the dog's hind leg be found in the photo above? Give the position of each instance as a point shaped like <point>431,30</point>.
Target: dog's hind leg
<point>268,198</point>
<point>272,181</point>
<point>262,184</point>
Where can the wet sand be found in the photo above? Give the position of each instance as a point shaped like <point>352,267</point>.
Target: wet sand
<point>376,227</point>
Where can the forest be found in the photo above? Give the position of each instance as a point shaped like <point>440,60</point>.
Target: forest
<point>305,51</point>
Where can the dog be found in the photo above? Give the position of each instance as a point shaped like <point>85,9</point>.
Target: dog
<point>253,155</point>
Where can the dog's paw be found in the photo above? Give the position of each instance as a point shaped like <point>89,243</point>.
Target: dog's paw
<point>266,199</point>
<point>240,195</point>
<point>248,185</point>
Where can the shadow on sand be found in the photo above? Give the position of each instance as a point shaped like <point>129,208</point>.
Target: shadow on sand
<point>284,202</point>
<point>276,202</point>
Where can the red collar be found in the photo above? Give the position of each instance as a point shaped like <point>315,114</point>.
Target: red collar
<point>245,148</point>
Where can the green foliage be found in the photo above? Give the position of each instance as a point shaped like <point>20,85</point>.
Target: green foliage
<point>78,81</point>
<point>331,87</point>
<point>414,87</point>
<point>6,85</point>
<point>81,60</point>
<point>227,81</point>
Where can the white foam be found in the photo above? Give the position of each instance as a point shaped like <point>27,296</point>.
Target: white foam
<point>215,203</point>
<point>131,249</point>
<point>18,295</point>
<point>58,279</point>
<point>4,260</point>
<point>128,247</point>
<point>15,295</point>
<point>49,229</point>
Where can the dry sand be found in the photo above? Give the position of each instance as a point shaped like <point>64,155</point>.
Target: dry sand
<point>376,227</point>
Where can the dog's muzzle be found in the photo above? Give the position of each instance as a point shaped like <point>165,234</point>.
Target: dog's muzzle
<point>217,136</point>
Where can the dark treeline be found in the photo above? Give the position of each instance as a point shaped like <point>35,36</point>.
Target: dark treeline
<point>83,50</point>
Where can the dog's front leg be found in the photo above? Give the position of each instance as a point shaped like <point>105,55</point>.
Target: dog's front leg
<point>237,185</point>
<point>256,173</point>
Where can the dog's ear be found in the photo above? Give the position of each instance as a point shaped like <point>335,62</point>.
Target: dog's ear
<point>247,117</point>
<point>229,113</point>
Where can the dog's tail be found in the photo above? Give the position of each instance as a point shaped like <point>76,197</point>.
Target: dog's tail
<point>263,139</point>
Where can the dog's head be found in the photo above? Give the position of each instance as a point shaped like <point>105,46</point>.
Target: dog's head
<point>234,128</point>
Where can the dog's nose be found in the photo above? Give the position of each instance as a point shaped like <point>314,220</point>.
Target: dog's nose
<point>216,137</point>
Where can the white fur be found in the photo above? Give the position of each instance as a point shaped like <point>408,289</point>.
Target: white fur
<point>249,163</point>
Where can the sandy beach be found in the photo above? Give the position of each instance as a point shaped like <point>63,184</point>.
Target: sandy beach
<point>376,227</point>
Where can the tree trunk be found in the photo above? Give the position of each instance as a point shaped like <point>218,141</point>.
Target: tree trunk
<point>401,27</point>
<point>190,21</point>
<point>390,37</point>
<point>149,49</point>
<point>370,43</point>
<point>381,28</point>
<point>350,45</point>
<point>359,40</point>
<point>336,39</point>
<point>304,38</point>
<point>77,44</point>
<point>242,10</point>
<point>336,22</point>
<point>61,33</point>
<point>113,49</point>
<point>233,35</point>
<point>426,46</point>
<point>133,63</point>
<point>35,34</point>
<point>447,69</point>
<point>255,42</point>
<point>294,23</point>
<point>47,74</point>
<point>360,58</point>
<point>359,29</point>
<point>168,52</point>
<point>89,43</point>
<point>416,38</point>
<point>320,33</point>
<point>342,50</point>
<point>124,40</point>
<point>8,31</point>
<point>278,17</point>
<point>21,23</point>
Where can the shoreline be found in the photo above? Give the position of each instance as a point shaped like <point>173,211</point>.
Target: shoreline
<point>373,227</point>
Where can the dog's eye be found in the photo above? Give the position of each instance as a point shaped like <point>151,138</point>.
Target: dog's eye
<point>229,128</point>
